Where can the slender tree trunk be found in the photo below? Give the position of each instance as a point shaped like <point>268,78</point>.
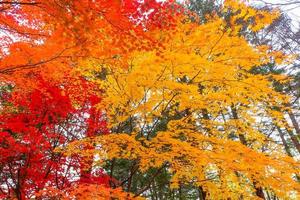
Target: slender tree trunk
<point>286,147</point>
<point>294,140</point>
<point>294,122</point>
<point>202,193</point>
<point>112,167</point>
<point>180,192</point>
<point>258,190</point>
<point>268,196</point>
<point>131,174</point>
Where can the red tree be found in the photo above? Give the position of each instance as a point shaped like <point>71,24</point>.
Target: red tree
<point>32,126</point>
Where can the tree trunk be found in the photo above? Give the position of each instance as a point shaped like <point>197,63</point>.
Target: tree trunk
<point>294,140</point>
<point>286,147</point>
<point>202,193</point>
<point>294,122</point>
<point>258,190</point>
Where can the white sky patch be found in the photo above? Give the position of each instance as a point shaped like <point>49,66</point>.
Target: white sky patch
<point>291,7</point>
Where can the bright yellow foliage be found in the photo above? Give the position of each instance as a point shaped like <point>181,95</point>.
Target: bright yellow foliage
<point>194,108</point>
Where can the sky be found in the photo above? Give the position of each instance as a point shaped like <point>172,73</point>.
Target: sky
<point>293,10</point>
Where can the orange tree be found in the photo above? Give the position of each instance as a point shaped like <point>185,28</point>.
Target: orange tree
<point>46,103</point>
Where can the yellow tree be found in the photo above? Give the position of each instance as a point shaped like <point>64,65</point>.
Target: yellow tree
<point>194,108</point>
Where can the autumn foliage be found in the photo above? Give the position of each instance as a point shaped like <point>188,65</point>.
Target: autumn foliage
<point>132,99</point>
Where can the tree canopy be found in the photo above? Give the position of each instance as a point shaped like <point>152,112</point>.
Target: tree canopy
<point>146,100</point>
